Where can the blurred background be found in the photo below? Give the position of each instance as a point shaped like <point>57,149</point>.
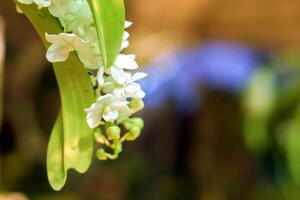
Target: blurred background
<point>222,108</point>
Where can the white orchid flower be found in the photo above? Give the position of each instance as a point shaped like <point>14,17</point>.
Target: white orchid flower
<point>64,43</point>
<point>129,89</point>
<point>39,3</point>
<point>107,107</point>
<point>123,62</point>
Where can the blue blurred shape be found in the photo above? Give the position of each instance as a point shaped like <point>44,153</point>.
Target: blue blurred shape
<point>178,75</point>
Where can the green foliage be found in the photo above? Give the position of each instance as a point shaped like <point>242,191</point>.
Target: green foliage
<point>109,16</point>
<point>259,103</point>
<point>55,156</point>
<point>293,146</point>
<point>71,143</point>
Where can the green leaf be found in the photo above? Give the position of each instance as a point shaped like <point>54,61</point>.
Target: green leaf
<point>76,94</point>
<point>55,156</point>
<point>292,134</point>
<point>109,16</point>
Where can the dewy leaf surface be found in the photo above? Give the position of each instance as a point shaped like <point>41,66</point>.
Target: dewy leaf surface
<point>109,17</point>
<point>76,93</point>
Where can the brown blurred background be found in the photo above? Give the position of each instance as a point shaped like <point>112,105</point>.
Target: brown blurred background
<point>201,156</point>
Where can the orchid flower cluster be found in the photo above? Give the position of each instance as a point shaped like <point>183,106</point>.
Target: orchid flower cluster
<point>118,94</point>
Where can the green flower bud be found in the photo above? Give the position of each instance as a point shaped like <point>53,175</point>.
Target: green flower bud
<point>133,122</point>
<point>136,105</point>
<point>128,124</point>
<point>132,134</point>
<point>100,138</point>
<point>101,154</point>
<point>139,122</point>
<point>118,147</point>
<point>113,132</point>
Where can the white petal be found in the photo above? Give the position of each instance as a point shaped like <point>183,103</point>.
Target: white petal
<point>69,38</point>
<point>43,3</point>
<point>93,121</point>
<point>139,94</point>
<point>57,53</point>
<point>108,87</point>
<point>111,116</point>
<point>119,75</point>
<point>138,76</point>
<point>125,36</point>
<point>123,109</point>
<point>26,1</point>
<point>55,39</point>
<point>124,45</point>
<point>58,7</point>
<point>94,115</point>
<point>105,98</point>
<point>87,57</point>
<point>128,24</point>
<point>100,78</point>
<point>85,53</point>
<point>119,92</point>
<point>126,62</point>
<point>132,88</point>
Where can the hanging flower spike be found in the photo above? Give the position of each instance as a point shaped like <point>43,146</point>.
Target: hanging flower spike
<point>64,43</point>
<point>98,43</point>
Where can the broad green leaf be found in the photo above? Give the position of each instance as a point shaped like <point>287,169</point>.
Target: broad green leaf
<point>55,156</point>
<point>109,17</point>
<point>76,94</point>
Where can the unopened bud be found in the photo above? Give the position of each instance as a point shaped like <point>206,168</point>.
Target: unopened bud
<point>139,122</point>
<point>117,146</point>
<point>113,132</point>
<point>101,154</point>
<point>132,134</point>
<point>136,105</point>
<point>100,138</point>
<point>128,124</point>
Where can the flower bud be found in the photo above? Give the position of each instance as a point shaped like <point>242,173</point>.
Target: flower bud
<point>136,105</point>
<point>139,122</point>
<point>118,147</point>
<point>132,134</point>
<point>100,138</point>
<point>101,154</point>
<point>113,132</point>
<point>128,124</point>
<point>133,122</point>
